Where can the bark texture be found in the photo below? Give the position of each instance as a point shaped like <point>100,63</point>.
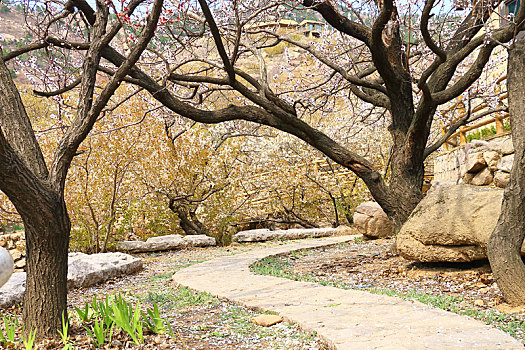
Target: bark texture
<point>23,178</point>
<point>506,240</point>
<point>47,241</point>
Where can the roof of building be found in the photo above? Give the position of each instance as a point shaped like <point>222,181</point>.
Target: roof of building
<point>309,21</point>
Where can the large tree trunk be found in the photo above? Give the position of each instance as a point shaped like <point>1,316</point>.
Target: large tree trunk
<point>23,179</point>
<point>505,242</point>
<point>406,189</point>
<point>37,191</point>
<point>47,240</point>
<point>406,169</point>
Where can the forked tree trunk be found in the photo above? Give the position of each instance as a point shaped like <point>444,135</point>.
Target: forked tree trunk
<point>47,240</point>
<point>505,242</point>
<point>23,178</point>
<point>407,169</point>
<point>406,190</point>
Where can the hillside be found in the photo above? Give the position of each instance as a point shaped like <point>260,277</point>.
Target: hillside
<point>12,26</point>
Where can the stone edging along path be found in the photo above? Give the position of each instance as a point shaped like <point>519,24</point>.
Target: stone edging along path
<point>346,319</point>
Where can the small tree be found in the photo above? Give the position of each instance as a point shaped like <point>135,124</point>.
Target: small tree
<point>37,189</point>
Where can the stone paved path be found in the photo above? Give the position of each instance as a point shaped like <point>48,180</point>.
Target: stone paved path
<point>346,319</point>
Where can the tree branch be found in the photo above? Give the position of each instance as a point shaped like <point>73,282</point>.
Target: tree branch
<point>340,22</point>
<point>16,125</point>
<point>218,40</point>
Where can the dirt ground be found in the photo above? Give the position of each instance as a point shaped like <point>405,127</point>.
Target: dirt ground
<point>464,288</point>
<point>199,321</point>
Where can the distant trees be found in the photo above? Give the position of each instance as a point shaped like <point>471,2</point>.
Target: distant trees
<point>405,62</point>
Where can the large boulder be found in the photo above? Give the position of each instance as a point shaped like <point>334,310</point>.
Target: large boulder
<point>256,235</point>
<point>7,266</point>
<point>83,271</point>
<point>483,178</point>
<point>168,242</point>
<point>475,162</point>
<point>451,224</point>
<point>371,221</point>
<point>13,291</point>
<point>87,270</point>
<point>501,179</point>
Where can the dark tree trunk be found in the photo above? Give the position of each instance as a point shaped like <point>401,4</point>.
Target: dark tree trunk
<point>188,220</point>
<point>189,226</point>
<point>47,227</point>
<point>37,191</point>
<point>47,240</point>
<point>505,242</point>
<point>23,177</point>
<point>406,166</point>
<point>406,184</point>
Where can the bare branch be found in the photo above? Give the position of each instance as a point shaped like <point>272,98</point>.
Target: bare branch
<point>59,91</point>
<point>24,49</point>
<point>218,40</point>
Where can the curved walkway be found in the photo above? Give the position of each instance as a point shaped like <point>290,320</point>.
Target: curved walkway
<point>346,319</point>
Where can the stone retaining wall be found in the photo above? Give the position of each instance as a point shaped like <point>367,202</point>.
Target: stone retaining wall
<point>16,245</point>
<point>479,163</point>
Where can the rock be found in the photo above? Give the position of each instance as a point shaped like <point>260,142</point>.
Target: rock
<point>343,230</point>
<point>12,292</point>
<point>451,224</point>
<point>505,163</point>
<point>467,178</point>
<point>412,249</point>
<point>501,179</point>
<point>16,254</point>
<point>20,264</point>
<point>479,302</point>
<point>267,320</point>
<point>479,144</point>
<point>83,271</point>
<point>491,158</point>
<point>502,145</point>
<point>475,162</point>
<point>257,235</point>
<point>87,270</point>
<point>510,309</point>
<point>507,147</point>
<point>200,241</point>
<point>371,221</point>
<point>360,221</point>
<point>168,242</point>
<point>495,145</point>
<point>483,178</point>
<point>261,235</point>
<point>6,266</point>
